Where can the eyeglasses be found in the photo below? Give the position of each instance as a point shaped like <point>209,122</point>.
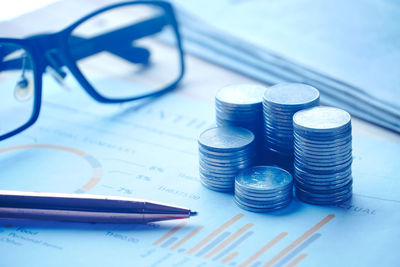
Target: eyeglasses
<point>120,53</point>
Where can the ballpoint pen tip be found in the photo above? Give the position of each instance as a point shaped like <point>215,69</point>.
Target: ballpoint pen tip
<point>193,213</point>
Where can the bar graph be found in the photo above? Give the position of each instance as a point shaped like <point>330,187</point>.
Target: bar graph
<point>215,233</point>
<point>221,244</point>
<point>170,233</point>
<point>263,249</point>
<point>212,244</point>
<point>228,240</point>
<point>297,250</point>
<point>187,237</point>
<point>233,245</point>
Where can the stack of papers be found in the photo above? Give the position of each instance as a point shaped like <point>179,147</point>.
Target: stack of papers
<point>350,51</point>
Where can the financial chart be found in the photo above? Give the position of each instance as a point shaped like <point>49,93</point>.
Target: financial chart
<point>149,150</point>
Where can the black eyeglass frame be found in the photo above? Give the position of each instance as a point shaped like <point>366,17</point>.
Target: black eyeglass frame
<point>39,45</point>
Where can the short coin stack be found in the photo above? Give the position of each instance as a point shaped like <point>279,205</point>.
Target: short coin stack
<point>241,106</point>
<point>223,152</point>
<point>322,155</point>
<point>280,103</point>
<point>263,188</point>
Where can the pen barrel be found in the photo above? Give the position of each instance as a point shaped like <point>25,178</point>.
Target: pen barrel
<point>85,216</point>
<point>85,208</point>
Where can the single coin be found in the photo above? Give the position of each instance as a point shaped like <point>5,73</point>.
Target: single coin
<point>241,94</point>
<point>264,178</point>
<point>226,139</point>
<point>318,201</point>
<point>217,188</point>
<point>291,94</point>
<point>245,207</point>
<point>262,204</point>
<point>321,119</point>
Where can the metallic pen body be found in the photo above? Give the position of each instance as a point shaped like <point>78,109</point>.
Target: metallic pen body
<point>85,208</point>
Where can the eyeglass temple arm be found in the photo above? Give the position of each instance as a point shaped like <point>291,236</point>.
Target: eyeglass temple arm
<point>118,42</point>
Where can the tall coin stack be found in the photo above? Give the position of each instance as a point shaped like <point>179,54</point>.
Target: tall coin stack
<point>280,103</point>
<point>223,152</point>
<point>263,188</point>
<point>241,106</point>
<point>322,155</point>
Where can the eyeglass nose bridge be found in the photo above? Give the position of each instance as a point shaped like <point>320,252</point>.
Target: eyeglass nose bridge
<point>46,41</point>
<point>47,47</point>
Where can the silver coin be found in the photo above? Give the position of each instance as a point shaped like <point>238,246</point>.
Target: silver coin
<point>322,154</point>
<point>217,188</point>
<point>322,169</point>
<point>218,182</point>
<point>262,205</point>
<point>314,162</point>
<point>264,178</point>
<point>332,147</point>
<point>247,152</point>
<point>241,94</point>
<point>320,178</point>
<point>225,160</point>
<point>325,193</point>
<point>328,183</point>
<point>258,209</point>
<point>321,187</point>
<point>226,139</point>
<point>320,141</point>
<point>321,119</point>
<point>336,136</point>
<point>263,197</point>
<point>291,94</point>
<point>318,201</point>
<point>263,193</point>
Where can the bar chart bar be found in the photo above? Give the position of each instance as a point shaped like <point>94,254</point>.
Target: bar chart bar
<point>214,233</point>
<point>187,237</point>
<point>171,232</point>
<point>297,260</point>
<point>230,257</point>
<point>229,240</point>
<point>215,242</point>
<point>299,240</point>
<point>233,245</point>
<point>169,242</point>
<point>263,249</point>
<point>297,250</point>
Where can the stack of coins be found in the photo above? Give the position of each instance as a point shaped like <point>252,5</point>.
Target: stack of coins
<point>223,152</point>
<point>322,155</point>
<point>263,188</point>
<point>280,103</point>
<point>241,106</point>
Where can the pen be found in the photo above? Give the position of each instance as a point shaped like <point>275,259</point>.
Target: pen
<point>86,208</point>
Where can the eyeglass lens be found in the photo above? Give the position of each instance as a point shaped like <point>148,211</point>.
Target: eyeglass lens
<point>127,51</point>
<point>16,87</point>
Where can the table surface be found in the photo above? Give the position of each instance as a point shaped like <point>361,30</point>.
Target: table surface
<point>201,82</point>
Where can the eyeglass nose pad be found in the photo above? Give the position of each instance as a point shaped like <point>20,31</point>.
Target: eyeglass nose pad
<point>55,69</point>
<point>23,90</point>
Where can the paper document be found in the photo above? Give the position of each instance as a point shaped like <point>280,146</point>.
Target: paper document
<point>149,150</point>
<point>348,50</point>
